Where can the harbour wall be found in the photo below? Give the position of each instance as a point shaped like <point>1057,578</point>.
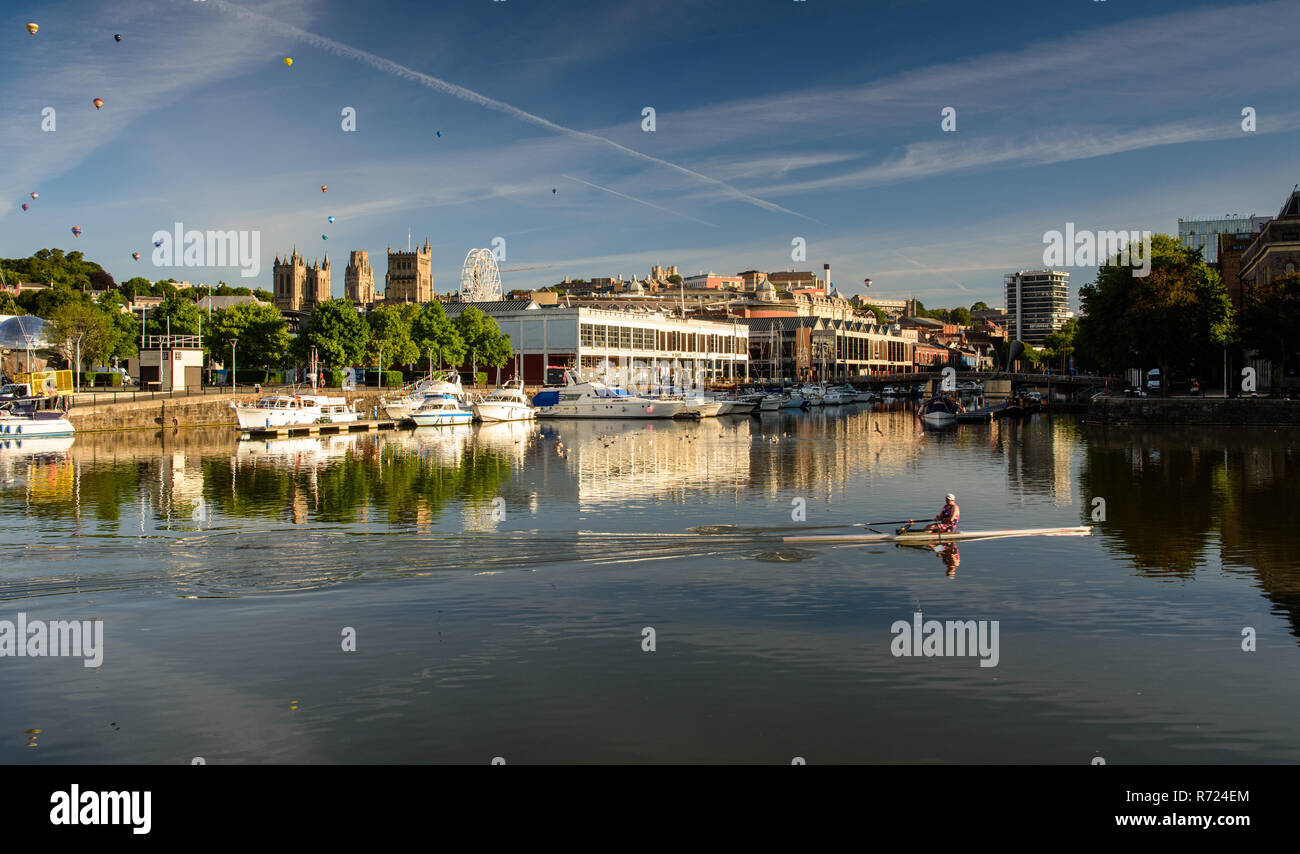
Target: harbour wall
<point>192,411</point>
<point>1195,411</point>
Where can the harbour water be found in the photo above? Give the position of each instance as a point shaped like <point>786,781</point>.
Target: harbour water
<point>500,580</point>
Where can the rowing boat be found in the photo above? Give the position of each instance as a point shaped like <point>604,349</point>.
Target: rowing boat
<point>941,537</point>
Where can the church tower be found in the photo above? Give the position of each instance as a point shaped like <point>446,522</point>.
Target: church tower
<point>290,277</point>
<point>410,275</point>
<point>359,279</point>
<point>316,285</point>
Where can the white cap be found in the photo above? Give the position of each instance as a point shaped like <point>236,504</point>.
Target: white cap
<point>951,497</point>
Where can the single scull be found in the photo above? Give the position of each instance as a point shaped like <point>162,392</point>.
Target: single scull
<point>937,537</point>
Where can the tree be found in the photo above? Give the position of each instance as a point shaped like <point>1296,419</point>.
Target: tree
<point>959,316</point>
<point>336,331</point>
<point>390,335</point>
<point>183,314</point>
<point>1058,347</point>
<point>124,326</point>
<point>483,337</point>
<point>262,332</point>
<point>8,305</point>
<point>433,332</point>
<point>135,286</point>
<point>674,278</point>
<point>1270,320</point>
<point>1179,313</point>
<point>80,330</point>
<point>980,306</point>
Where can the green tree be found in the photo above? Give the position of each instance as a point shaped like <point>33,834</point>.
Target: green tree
<point>1270,320</point>
<point>1058,347</point>
<point>486,343</point>
<point>124,326</point>
<point>980,306</point>
<point>262,332</point>
<point>960,316</point>
<point>81,329</point>
<point>876,310</point>
<point>337,332</point>
<point>433,332</point>
<point>390,335</point>
<point>1178,314</point>
<point>183,314</point>
<point>135,286</point>
<point>8,305</point>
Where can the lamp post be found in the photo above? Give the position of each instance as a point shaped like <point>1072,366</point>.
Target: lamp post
<point>381,365</point>
<point>233,340</point>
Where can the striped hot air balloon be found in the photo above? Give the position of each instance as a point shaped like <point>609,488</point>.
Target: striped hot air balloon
<point>32,27</point>
<point>98,102</point>
<point>76,231</point>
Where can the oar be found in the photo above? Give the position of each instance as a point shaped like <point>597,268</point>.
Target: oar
<point>891,522</point>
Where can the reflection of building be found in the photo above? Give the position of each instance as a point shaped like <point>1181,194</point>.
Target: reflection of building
<point>1038,303</point>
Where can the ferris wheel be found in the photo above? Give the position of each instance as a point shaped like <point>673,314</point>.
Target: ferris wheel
<point>480,280</point>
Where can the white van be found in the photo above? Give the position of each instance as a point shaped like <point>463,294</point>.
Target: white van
<point>1153,379</point>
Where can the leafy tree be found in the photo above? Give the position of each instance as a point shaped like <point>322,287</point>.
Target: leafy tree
<point>1270,320</point>
<point>81,329</point>
<point>960,316</point>
<point>980,306</point>
<point>876,310</point>
<point>262,332</point>
<point>674,278</point>
<point>183,314</point>
<point>390,335</point>
<point>483,338</point>
<point>135,286</point>
<point>1177,314</point>
<point>1058,347</point>
<point>433,332</point>
<point>336,331</point>
<point>8,305</point>
<point>124,326</point>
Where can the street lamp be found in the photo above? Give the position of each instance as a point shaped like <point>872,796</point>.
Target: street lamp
<point>233,340</point>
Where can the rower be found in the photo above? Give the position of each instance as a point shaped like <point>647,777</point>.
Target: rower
<point>949,516</point>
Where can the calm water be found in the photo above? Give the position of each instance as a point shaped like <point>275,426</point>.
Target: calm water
<point>225,572</point>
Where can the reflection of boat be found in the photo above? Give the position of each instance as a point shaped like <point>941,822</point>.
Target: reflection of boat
<point>440,409</point>
<point>400,404</point>
<point>596,400</point>
<point>16,446</point>
<point>19,421</point>
<point>307,447</point>
<point>936,537</point>
<point>507,403</point>
<point>287,410</point>
<point>940,410</point>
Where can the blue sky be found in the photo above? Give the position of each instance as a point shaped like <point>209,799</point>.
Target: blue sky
<point>774,120</point>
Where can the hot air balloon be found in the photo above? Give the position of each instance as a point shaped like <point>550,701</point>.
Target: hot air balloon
<point>157,243</point>
<point>331,219</point>
<point>554,191</point>
<point>35,195</point>
<point>439,134</point>
<point>117,37</point>
<point>24,206</point>
<point>135,255</point>
<point>288,61</point>
<point>324,237</point>
<point>98,102</point>
<point>76,231</point>
<point>32,28</point>
<point>323,188</point>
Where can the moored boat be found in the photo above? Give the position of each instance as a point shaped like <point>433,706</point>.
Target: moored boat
<point>289,410</point>
<point>18,422</point>
<point>596,400</point>
<point>940,410</point>
<point>507,403</point>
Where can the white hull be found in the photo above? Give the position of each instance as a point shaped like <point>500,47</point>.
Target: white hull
<point>602,409</point>
<point>939,418</point>
<point>770,404</point>
<point>502,411</point>
<point>935,537</point>
<point>34,428</point>
<point>794,401</point>
<point>441,418</point>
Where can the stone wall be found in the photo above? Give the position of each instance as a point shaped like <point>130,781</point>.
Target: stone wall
<point>195,411</point>
<point>1195,411</point>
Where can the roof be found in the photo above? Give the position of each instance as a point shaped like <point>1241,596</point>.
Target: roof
<point>496,307</point>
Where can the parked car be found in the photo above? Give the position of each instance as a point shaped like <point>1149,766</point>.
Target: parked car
<point>1134,391</point>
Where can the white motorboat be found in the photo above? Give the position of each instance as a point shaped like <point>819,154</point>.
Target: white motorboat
<point>940,410</point>
<point>736,405</point>
<point>794,400</point>
<point>865,396</point>
<point>291,410</point>
<point>596,400</point>
<point>19,422</point>
<point>771,403</point>
<point>815,395</point>
<point>441,409</point>
<point>836,397</point>
<point>507,403</point>
<point>699,407</point>
<point>402,403</point>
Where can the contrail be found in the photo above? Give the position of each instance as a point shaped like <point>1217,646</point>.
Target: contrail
<point>439,85</point>
<point>638,201</point>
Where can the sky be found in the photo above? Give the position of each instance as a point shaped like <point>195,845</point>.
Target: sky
<point>522,121</point>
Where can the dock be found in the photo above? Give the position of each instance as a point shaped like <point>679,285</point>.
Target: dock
<point>322,429</point>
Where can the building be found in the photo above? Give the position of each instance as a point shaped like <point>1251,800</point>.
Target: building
<point>786,349</point>
<point>1275,250</point>
<point>1203,233</point>
<point>359,278</point>
<point>171,363</point>
<point>1229,251</point>
<point>1038,304</point>
<point>790,280</point>
<point>210,304</point>
<point>298,286</point>
<point>410,276</point>
<point>714,282</point>
<point>646,348</point>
